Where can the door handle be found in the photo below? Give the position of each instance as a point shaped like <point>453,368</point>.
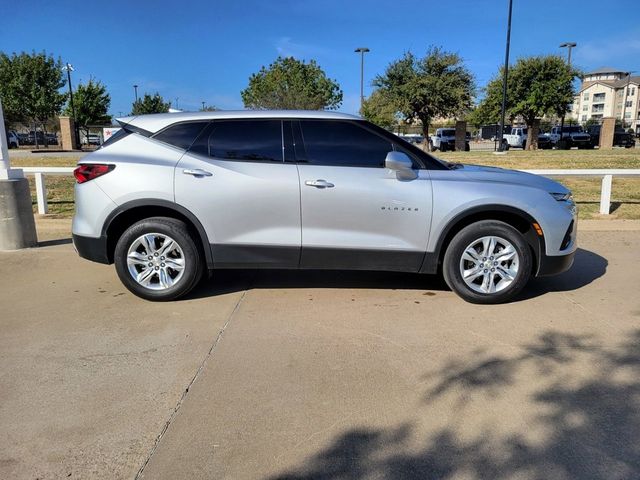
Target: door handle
<point>197,172</point>
<point>319,183</point>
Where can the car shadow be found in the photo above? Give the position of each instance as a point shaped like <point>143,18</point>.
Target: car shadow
<point>229,281</point>
<point>587,267</point>
<point>53,243</point>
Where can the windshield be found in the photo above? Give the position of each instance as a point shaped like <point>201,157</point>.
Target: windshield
<point>448,133</point>
<point>573,129</point>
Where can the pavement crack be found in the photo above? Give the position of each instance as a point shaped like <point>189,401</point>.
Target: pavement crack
<point>185,392</point>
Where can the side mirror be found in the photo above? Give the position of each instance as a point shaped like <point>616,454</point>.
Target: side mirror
<point>438,135</point>
<point>401,164</point>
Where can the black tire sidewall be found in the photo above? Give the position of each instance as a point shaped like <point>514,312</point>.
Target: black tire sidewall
<point>462,239</point>
<point>179,232</point>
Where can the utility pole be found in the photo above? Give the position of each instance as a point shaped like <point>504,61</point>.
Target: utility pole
<point>361,51</point>
<point>504,81</point>
<point>135,92</point>
<point>203,106</point>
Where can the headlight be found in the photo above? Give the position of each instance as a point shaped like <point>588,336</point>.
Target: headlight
<point>562,197</point>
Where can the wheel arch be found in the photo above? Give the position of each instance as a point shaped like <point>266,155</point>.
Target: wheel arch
<point>131,212</point>
<point>519,219</point>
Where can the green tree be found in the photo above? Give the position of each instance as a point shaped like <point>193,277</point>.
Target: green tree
<point>91,102</point>
<point>435,86</point>
<point>291,84</point>
<point>379,110</point>
<point>150,104</point>
<point>537,86</point>
<point>29,87</point>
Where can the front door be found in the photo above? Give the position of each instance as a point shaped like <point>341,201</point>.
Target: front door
<point>356,213</point>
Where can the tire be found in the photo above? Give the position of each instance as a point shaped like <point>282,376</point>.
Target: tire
<point>475,237</point>
<point>467,147</point>
<point>13,145</point>
<point>147,238</point>
<point>443,147</point>
<point>524,145</point>
<point>431,147</point>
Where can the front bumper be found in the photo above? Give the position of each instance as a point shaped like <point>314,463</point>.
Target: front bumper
<point>94,249</point>
<point>553,265</point>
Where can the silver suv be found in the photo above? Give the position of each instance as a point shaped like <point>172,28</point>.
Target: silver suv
<point>171,196</point>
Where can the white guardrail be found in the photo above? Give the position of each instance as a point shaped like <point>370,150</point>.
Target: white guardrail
<point>605,192</point>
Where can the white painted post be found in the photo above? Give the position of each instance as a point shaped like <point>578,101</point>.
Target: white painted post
<point>605,195</point>
<point>41,194</point>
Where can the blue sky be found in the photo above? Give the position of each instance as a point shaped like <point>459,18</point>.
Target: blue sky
<point>206,51</point>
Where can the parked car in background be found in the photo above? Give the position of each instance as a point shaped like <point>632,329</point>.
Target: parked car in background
<point>570,136</point>
<point>621,138</point>
<point>445,139</point>
<point>517,138</point>
<point>172,196</point>
<point>52,138</point>
<point>12,139</point>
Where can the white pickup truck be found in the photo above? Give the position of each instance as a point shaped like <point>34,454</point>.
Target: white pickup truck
<point>518,139</point>
<point>572,136</point>
<point>445,139</point>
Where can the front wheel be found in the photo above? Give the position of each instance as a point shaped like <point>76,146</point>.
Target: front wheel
<point>157,259</point>
<point>487,262</point>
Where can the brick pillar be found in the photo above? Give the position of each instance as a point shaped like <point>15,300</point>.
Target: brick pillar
<point>67,134</point>
<point>606,132</point>
<point>461,135</point>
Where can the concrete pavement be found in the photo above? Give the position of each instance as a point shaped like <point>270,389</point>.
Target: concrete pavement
<point>320,374</point>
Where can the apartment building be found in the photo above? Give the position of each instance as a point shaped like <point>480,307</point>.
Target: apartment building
<point>609,92</point>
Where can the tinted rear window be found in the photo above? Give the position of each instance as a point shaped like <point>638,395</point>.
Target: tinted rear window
<point>248,140</point>
<point>181,135</point>
<point>343,144</point>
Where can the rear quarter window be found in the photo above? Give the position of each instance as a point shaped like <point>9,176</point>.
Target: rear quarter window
<point>181,135</point>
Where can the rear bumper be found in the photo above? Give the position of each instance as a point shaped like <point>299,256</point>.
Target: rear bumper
<point>94,249</point>
<point>553,265</point>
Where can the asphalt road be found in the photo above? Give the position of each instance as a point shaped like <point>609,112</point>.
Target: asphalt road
<point>294,375</point>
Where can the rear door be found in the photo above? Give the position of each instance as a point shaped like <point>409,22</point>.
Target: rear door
<point>355,212</point>
<point>235,180</point>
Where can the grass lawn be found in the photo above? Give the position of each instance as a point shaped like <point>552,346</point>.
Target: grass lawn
<point>625,197</point>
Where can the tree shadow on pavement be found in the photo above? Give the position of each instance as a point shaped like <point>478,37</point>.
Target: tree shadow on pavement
<point>584,396</point>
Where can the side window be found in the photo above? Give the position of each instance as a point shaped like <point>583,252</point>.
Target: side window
<point>181,135</point>
<point>244,140</point>
<point>344,144</point>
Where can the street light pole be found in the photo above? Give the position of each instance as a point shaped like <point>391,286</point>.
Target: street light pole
<point>69,68</point>
<point>568,46</point>
<point>203,106</point>
<point>504,81</point>
<point>135,92</point>
<point>361,51</point>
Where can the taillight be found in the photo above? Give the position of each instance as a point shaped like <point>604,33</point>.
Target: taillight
<point>89,171</point>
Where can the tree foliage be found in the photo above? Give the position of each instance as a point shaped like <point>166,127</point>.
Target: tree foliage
<point>536,86</point>
<point>438,85</point>
<point>380,110</point>
<point>291,84</point>
<point>91,102</point>
<point>150,104</point>
<point>29,86</point>
<point>209,108</point>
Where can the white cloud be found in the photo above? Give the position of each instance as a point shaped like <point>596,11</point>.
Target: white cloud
<point>286,47</point>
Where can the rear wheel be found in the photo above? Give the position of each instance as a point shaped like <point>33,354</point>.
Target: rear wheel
<point>487,262</point>
<point>157,259</point>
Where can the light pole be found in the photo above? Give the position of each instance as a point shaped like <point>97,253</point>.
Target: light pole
<point>361,51</point>
<point>69,68</point>
<point>203,106</point>
<point>135,92</point>
<point>504,81</point>
<point>568,46</point>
